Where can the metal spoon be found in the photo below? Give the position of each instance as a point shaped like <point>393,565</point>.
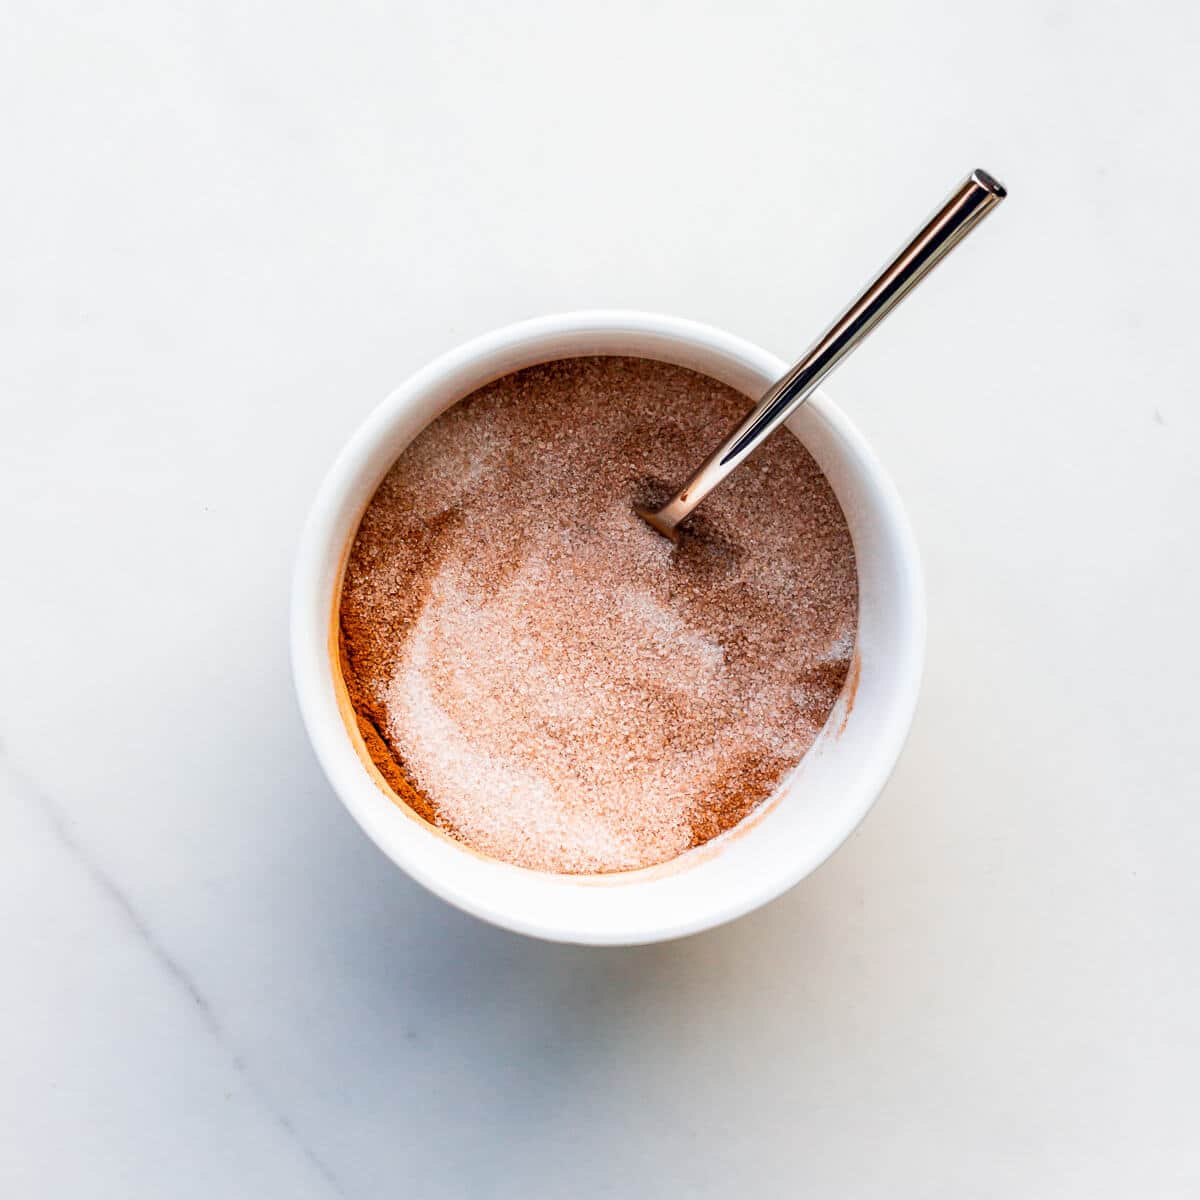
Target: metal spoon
<point>971,202</point>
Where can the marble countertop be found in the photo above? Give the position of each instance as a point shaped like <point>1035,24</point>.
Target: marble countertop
<point>229,231</point>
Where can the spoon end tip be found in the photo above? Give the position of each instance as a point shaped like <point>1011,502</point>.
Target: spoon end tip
<point>654,518</point>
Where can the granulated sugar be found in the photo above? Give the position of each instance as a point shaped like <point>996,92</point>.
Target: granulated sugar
<point>552,682</point>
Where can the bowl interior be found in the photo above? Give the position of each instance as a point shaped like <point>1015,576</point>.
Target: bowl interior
<point>820,802</point>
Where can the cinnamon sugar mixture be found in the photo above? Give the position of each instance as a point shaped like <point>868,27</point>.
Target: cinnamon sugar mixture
<point>546,678</point>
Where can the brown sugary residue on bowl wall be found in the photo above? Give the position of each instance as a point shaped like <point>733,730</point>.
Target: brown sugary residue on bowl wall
<point>850,689</point>
<point>538,674</point>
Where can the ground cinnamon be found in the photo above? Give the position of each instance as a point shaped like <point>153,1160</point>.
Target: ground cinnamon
<point>541,675</point>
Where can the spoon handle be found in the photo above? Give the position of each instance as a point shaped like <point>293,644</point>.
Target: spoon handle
<point>969,204</point>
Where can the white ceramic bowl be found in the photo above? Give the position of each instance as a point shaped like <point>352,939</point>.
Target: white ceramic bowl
<point>818,805</point>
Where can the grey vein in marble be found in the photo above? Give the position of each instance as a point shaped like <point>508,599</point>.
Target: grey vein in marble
<point>183,979</point>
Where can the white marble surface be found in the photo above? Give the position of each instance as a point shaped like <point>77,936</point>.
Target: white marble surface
<point>228,232</point>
